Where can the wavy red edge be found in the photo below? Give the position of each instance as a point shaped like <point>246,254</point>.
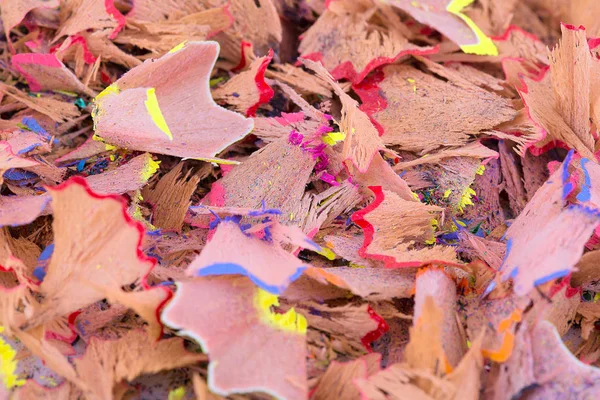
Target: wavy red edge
<point>227,12</point>
<point>111,10</point>
<point>372,101</point>
<point>593,43</point>
<point>48,60</point>
<point>71,323</point>
<point>509,30</point>
<point>368,89</point>
<point>346,70</point>
<point>265,92</point>
<point>88,56</point>
<point>244,46</point>
<point>569,292</point>
<point>382,328</point>
<point>536,151</point>
<point>78,180</point>
<point>369,232</point>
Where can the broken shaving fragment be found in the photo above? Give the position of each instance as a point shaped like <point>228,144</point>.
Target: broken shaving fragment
<point>47,72</point>
<point>432,283</point>
<point>586,270</point>
<point>9,160</point>
<point>57,110</point>
<point>255,23</point>
<point>546,240</point>
<point>570,64</point>
<point>21,210</point>
<point>276,175</point>
<point>558,100</point>
<point>14,12</point>
<point>107,363</point>
<point>374,284</point>
<point>396,231</point>
<point>90,14</point>
<point>338,381</point>
<point>497,319</point>
<point>89,148</point>
<point>425,350</point>
<point>421,376</point>
<point>380,173</point>
<point>473,150</point>
<point>302,81</point>
<point>552,370</point>
<point>160,35</point>
<point>249,321</point>
<point>413,111</point>
<point>350,45</point>
<point>266,264</point>
<point>95,241</point>
<point>362,141</point>
<point>247,90</point>
<point>126,178</point>
<point>169,118</point>
<point>352,327</point>
<point>170,198</point>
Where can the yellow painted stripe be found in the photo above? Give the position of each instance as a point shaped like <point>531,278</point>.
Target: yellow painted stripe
<point>155,113</point>
<point>485,46</point>
<point>214,160</point>
<point>178,47</point>
<point>8,365</point>
<point>112,89</point>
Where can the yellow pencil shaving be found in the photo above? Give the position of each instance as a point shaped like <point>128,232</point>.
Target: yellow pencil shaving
<point>333,138</point>
<point>112,89</point>
<point>465,199</point>
<point>485,46</point>
<point>480,170</point>
<point>155,112</point>
<point>447,193</point>
<point>8,365</point>
<point>107,147</point>
<point>150,168</point>
<point>215,160</point>
<point>178,47</point>
<point>327,253</point>
<point>353,265</point>
<point>214,82</point>
<point>177,394</point>
<point>66,93</point>
<point>414,86</point>
<point>290,321</point>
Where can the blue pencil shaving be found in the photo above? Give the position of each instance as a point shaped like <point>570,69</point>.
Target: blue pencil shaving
<point>236,269</point>
<point>264,211</point>
<point>585,194</point>
<point>34,126</point>
<point>29,148</point>
<point>567,186</point>
<point>551,277</point>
